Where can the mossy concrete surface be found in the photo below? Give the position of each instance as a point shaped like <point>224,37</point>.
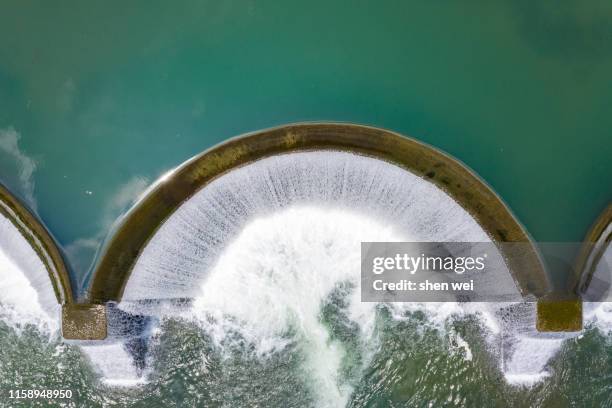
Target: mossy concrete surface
<point>84,322</point>
<point>559,315</point>
<point>564,313</point>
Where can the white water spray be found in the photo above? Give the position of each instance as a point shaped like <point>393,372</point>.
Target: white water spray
<point>261,247</point>
<point>26,292</point>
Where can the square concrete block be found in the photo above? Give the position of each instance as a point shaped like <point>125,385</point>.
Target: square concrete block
<point>559,315</point>
<point>84,322</point>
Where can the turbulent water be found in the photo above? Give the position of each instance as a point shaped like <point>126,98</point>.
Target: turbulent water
<point>249,296</point>
<point>26,294</point>
<point>187,246</point>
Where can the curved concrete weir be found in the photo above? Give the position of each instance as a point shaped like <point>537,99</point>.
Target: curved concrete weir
<point>41,242</point>
<point>595,249</point>
<point>261,228</point>
<point>447,174</point>
<point>39,259</point>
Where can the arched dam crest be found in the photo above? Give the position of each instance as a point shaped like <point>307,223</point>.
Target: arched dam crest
<point>448,174</point>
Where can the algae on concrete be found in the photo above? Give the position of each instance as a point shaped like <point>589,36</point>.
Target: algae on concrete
<point>84,322</point>
<point>559,314</point>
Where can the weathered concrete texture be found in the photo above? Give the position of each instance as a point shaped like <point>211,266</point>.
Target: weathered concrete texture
<point>41,241</point>
<point>84,322</point>
<point>120,255</point>
<point>559,315</point>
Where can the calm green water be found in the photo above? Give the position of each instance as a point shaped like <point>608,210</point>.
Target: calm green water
<point>107,97</point>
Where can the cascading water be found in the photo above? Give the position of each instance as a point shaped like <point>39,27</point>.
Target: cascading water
<point>187,246</point>
<point>127,346</point>
<point>264,248</point>
<point>600,313</point>
<point>249,295</point>
<point>26,292</point>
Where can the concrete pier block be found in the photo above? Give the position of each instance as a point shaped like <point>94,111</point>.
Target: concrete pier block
<point>559,315</point>
<point>84,322</point>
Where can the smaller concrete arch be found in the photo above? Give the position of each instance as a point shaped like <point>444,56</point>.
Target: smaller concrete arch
<point>596,244</point>
<point>82,321</point>
<point>41,241</point>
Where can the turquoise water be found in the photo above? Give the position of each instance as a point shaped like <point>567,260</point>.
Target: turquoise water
<point>106,101</point>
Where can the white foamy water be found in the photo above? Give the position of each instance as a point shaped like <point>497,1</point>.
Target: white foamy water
<point>527,364</point>
<point>275,276</point>
<point>26,293</point>
<point>113,364</point>
<point>262,247</point>
<point>27,298</point>
<point>532,352</point>
<point>600,313</point>
<point>189,243</point>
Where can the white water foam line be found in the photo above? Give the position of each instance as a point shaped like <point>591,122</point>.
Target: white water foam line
<point>114,364</point>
